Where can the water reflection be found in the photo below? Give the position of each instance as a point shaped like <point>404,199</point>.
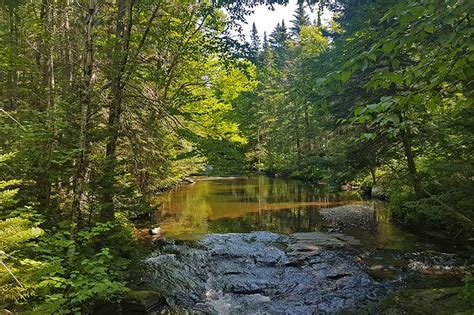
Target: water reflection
<point>261,204</point>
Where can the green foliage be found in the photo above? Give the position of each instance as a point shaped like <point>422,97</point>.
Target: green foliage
<point>90,281</point>
<point>18,276</point>
<point>17,279</point>
<point>15,231</point>
<point>300,19</point>
<point>468,289</point>
<point>377,95</point>
<point>95,274</point>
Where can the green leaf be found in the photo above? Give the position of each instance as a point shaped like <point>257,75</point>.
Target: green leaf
<point>345,75</point>
<point>395,64</point>
<point>388,47</point>
<point>368,136</point>
<point>429,28</point>
<point>393,118</point>
<point>449,20</point>
<point>364,64</point>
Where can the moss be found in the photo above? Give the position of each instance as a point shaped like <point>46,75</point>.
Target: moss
<point>426,301</point>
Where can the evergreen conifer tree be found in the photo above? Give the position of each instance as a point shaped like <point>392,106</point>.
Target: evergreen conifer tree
<point>279,42</point>
<point>300,18</point>
<point>254,39</point>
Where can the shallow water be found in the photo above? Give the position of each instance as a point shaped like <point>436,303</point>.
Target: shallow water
<point>261,203</point>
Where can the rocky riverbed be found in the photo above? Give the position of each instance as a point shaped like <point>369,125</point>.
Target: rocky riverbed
<point>264,272</point>
<point>268,273</point>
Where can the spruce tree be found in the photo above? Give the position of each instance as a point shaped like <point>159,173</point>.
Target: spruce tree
<point>300,18</point>
<point>278,42</point>
<point>254,44</point>
<point>266,56</point>
<point>254,39</point>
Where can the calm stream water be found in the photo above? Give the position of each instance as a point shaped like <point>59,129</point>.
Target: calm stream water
<point>260,203</point>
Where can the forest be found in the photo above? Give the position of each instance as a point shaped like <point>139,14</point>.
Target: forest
<point>106,103</point>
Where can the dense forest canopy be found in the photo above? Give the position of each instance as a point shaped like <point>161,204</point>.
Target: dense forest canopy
<point>104,103</point>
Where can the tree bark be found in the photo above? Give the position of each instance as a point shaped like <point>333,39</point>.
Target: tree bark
<point>373,172</point>
<point>86,96</point>
<point>46,101</point>
<point>415,181</point>
<point>68,62</point>
<point>119,62</point>
<point>306,130</point>
<point>12,72</point>
<point>319,14</point>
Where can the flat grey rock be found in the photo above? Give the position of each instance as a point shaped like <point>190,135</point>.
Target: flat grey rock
<point>263,272</point>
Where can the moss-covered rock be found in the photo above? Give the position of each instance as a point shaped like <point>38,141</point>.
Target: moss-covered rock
<point>426,301</point>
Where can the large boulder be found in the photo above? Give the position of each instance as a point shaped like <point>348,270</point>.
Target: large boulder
<point>378,192</point>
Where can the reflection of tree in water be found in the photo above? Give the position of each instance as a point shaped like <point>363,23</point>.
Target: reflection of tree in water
<point>186,211</point>
<point>305,219</point>
<point>390,236</point>
<point>245,204</point>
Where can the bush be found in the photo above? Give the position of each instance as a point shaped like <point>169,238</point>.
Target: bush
<point>90,281</point>
<point>469,289</point>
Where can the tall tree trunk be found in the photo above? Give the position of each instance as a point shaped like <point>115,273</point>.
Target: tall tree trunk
<point>68,62</point>
<point>86,95</point>
<point>47,54</point>
<point>119,62</point>
<point>306,130</point>
<point>319,13</point>
<point>298,139</point>
<point>373,172</point>
<point>46,100</point>
<point>415,181</point>
<point>11,86</point>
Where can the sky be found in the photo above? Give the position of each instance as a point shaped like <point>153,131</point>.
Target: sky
<point>266,20</point>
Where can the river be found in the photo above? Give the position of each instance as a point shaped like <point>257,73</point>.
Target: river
<point>280,205</point>
<point>249,245</point>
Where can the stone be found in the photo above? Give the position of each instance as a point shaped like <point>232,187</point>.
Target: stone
<point>155,231</point>
<point>378,192</point>
<point>263,272</point>
<point>352,216</point>
<point>324,239</point>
